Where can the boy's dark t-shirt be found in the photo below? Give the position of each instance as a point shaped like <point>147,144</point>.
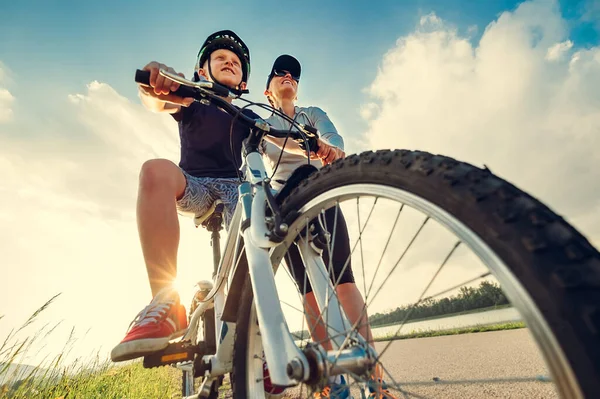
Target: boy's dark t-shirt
<point>204,131</point>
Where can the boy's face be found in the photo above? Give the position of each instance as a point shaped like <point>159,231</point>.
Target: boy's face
<point>225,67</point>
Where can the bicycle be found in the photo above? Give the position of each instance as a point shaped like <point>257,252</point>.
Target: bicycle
<point>548,270</point>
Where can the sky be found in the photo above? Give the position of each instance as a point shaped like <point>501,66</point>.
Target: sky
<point>512,85</point>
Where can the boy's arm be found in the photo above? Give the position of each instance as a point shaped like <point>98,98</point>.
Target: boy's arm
<point>157,97</point>
<point>156,105</point>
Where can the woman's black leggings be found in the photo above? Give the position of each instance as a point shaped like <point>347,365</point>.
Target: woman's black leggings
<point>341,254</point>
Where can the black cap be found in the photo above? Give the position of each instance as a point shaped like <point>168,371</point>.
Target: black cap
<point>285,63</point>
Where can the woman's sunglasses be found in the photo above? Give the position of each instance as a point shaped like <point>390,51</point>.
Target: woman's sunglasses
<point>280,73</point>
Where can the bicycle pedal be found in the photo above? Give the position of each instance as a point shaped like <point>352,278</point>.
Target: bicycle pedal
<point>176,352</point>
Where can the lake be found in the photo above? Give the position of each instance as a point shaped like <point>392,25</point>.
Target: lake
<point>467,320</point>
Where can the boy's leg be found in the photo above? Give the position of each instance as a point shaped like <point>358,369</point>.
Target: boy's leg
<point>161,184</point>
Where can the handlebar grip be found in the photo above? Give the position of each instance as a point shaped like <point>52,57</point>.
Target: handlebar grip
<point>143,77</point>
<point>220,90</point>
<point>311,129</point>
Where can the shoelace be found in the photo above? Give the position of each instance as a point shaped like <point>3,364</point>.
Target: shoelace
<point>152,313</point>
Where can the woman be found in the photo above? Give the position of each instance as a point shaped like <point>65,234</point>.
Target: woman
<point>281,91</point>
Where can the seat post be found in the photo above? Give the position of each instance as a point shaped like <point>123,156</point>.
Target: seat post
<point>215,224</point>
<point>215,242</point>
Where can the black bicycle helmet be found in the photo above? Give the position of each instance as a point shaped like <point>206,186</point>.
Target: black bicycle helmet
<point>228,40</point>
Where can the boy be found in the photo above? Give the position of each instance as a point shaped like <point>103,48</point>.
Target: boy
<point>207,171</point>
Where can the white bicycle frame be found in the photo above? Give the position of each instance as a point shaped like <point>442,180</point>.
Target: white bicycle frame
<point>281,349</point>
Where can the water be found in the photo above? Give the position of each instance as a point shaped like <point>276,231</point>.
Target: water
<point>467,320</point>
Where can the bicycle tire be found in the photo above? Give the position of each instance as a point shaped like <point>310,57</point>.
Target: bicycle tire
<point>554,264</point>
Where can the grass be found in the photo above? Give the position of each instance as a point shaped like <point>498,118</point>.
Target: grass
<point>100,378</point>
<point>454,331</point>
<point>108,381</point>
<point>94,378</point>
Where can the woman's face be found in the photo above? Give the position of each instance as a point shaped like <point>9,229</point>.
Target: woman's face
<point>282,87</point>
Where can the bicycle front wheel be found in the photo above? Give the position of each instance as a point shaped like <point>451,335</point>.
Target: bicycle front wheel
<point>490,245</point>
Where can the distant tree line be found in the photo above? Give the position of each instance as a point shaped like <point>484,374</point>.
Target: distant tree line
<point>486,295</point>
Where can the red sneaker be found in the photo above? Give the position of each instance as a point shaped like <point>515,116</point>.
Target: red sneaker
<point>161,321</point>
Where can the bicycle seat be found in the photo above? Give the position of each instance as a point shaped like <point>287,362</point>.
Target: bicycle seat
<point>215,212</point>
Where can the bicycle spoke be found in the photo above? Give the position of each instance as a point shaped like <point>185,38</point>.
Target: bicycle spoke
<point>437,273</point>
<point>292,306</point>
<point>360,232</point>
<point>302,296</point>
<point>482,276</point>
<point>319,316</point>
<point>402,255</point>
<point>346,264</point>
<point>372,289</point>
<point>362,258</point>
<point>387,243</point>
<point>385,371</point>
<point>364,311</point>
<point>330,265</point>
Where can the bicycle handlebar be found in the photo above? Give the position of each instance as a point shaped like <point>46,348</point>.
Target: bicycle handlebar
<point>143,77</point>
<point>204,90</point>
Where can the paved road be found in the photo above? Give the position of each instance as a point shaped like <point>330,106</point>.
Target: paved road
<point>500,364</point>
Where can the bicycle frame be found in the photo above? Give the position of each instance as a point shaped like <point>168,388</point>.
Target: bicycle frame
<point>281,350</point>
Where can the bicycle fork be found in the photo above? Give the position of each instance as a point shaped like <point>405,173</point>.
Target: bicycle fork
<point>289,365</point>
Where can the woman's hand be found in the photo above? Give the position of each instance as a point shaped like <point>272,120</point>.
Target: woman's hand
<point>328,153</point>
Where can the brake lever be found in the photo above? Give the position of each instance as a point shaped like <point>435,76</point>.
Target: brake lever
<point>216,88</point>
<point>312,137</point>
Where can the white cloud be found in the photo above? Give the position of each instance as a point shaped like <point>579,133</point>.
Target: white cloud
<point>472,30</point>
<point>368,111</point>
<point>6,98</point>
<point>69,198</point>
<point>6,101</point>
<point>430,20</point>
<point>557,51</point>
<point>533,119</point>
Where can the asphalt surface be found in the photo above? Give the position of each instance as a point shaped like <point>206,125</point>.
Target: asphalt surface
<point>499,364</point>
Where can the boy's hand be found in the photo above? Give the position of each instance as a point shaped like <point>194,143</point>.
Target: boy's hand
<point>161,87</point>
<point>328,153</point>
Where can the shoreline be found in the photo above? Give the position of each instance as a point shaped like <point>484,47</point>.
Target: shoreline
<point>454,331</point>
<point>472,311</point>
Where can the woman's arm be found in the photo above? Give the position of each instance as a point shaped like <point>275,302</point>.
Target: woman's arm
<point>325,126</point>
<point>291,146</point>
<point>331,144</point>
